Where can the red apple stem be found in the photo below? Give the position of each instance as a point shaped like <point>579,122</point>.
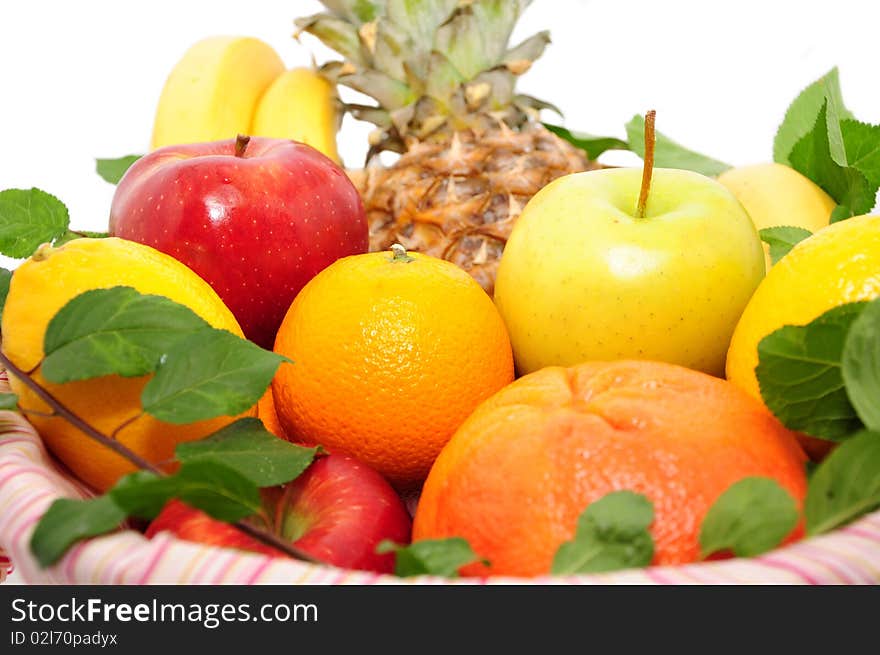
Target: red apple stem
<point>648,168</point>
<point>241,144</point>
<point>66,413</point>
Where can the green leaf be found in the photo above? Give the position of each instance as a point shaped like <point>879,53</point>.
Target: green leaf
<point>112,170</point>
<point>861,365</point>
<point>441,557</point>
<point>846,485</point>
<point>669,154</point>
<point>252,451</point>
<point>812,157</point>
<point>802,114</point>
<point>29,218</point>
<point>781,239</point>
<point>143,494</point>
<point>799,373</point>
<point>70,235</point>
<point>211,373</point>
<point>5,279</point>
<point>68,521</point>
<point>612,533</point>
<point>8,401</point>
<point>211,486</point>
<point>594,146</point>
<point>114,331</point>
<point>751,517</point>
<point>862,145</point>
<point>218,490</point>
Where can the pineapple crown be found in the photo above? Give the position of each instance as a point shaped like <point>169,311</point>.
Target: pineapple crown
<point>434,67</point>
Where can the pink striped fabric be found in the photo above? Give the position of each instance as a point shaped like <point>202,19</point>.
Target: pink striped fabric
<point>30,481</point>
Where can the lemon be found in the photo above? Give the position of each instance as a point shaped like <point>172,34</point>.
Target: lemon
<point>839,264</point>
<point>43,285</point>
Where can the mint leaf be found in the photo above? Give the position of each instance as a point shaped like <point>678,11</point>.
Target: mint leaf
<point>211,373</point>
<point>68,521</point>
<point>669,154</point>
<point>751,517</point>
<point>782,239</point>
<point>218,490</point>
<point>862,145</point>
<point>29,218</point>
<point>112,170</point>
<point>70,235</point>
<point>5,279</point>
<point>594,146</point>
<point>612,533</point>
<point>799,373</point>
<point>8,401</point>
<point>861,365</point>
<point>812,156</point>
<point>113,331</point>
<point>252,451</point>
<point>441,557</point>
<point>802,114</point>
<point>211,486</point>
<point>846,485</point>
<point>143,494</point>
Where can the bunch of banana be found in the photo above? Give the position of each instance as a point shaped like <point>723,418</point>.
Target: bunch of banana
<point>228,85</point>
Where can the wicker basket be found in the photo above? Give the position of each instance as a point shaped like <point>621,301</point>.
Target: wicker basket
<point>30,480</point>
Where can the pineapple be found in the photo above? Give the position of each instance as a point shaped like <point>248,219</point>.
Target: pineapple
<point>472,150</point>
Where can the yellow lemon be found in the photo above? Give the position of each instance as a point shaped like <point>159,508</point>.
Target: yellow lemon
<point>774,195</point>
<point>43,285</point>
<point>838,265</point>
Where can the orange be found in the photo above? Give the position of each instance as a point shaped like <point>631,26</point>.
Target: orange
<point>266,413</point>
<point>519,472</point>
<point>391,353</point>
<point>43,285</point>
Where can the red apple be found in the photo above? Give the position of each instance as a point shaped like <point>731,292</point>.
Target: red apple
<point>256,219</point>
<point>337,511</point>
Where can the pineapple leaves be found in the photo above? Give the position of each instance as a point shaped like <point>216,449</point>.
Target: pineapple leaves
<point>527,51</point>
<point>335,33</point>
<point>420,19</point>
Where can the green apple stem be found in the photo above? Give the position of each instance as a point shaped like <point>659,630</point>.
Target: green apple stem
<point>648,168</point>
<point>241,144</point>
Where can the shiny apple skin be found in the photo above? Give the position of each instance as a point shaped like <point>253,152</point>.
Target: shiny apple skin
<point>338,511</point>
<point>257,228</point>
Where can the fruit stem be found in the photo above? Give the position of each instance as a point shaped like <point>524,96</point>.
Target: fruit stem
<point>241,144</point>
<point>399,254</point>
<point>648,167</point>
<point>64,412</point>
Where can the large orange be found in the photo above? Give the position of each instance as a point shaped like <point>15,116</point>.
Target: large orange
<point>391,353</point>
<point>518,473</point>
<point>43,285</point>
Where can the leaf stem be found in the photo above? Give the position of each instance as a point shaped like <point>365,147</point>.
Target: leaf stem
<point>64,412</point>
<point>125,424</point>
<point>648,168</point>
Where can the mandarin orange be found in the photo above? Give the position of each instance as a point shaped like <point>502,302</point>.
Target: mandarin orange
<point>391,353</point>
<point>518,473</point>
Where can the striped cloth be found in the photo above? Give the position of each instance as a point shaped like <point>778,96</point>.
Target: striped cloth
<point>30,480</point>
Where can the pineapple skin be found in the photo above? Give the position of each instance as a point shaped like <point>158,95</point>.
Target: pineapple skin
<point>458,199</point>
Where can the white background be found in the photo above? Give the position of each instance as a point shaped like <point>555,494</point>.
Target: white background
<point>80,80</point>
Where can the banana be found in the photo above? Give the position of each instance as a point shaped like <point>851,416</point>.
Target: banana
<point>300,105</point>
<point>213,90</point>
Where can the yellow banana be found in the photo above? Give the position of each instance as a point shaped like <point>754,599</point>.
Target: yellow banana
<point>213,90</point>
<point>300,105</point>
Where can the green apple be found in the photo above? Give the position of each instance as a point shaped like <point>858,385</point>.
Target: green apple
<point>594,272</point>
<point>774,194</point>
